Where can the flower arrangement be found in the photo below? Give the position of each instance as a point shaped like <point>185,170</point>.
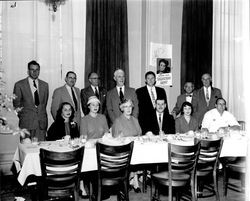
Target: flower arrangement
<point>8,117</point>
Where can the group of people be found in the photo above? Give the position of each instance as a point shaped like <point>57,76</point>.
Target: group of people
<point>128,112</point>
<point>122,110</point>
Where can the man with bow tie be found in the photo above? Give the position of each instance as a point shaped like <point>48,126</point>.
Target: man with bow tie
<point>189,95</point>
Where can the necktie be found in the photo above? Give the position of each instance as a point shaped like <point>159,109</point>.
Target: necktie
<point>152,96</point>
<point>96,93</point>
<point>36,96</point>
<point>121,95</point>
<point>74,98</point>
<point>207,96</point>
<point>160,127</point>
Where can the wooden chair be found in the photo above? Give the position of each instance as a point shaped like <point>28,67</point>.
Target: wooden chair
<point>181,171</point>
<point>113,168</point>
<point>234,169</point>
<point>207,166</point>
<point>242,125</point>
<point>60,174</point>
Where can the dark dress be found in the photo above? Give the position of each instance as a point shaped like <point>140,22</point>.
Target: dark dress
<point>57,130</point>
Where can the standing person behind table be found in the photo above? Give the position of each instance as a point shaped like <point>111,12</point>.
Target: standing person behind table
<point>161,121</point>
<point>67,93</point>
<point>146,97</point>
<point>31,102</point>
<point>186,122</point>
<point>163,66</point>
<point>93,90</point>
<point>63,124</point>
<point>188,96</point>
<point>206,96</point>
<point>218,118</point>
<point>116,95</point>
<point>94,125</point>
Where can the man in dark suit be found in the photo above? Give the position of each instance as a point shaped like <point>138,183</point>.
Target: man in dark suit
<point>161,122</point>
<point>119,93</point>
<point>93,90</point>
<point>67,93</point>
<point>146,96</point>
<point>206,96</point>
<point>189,96</point>
<point>31,102</point>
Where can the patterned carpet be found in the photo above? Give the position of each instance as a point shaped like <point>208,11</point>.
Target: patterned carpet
<point>11,189</point>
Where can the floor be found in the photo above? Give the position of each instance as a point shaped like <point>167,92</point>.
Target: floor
<point>11,189</point>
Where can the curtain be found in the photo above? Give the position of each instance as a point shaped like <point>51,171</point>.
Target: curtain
<point>196,48</point>
<point>106,39</point>
<point>56,40</point>
<point>230,54</point>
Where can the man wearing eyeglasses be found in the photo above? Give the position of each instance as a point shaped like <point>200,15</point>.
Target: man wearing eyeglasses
<point>67,93</point>
<point>31,102</point>
<point>94,89</point>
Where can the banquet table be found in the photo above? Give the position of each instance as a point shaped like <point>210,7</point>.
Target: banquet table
<point>146,151</point>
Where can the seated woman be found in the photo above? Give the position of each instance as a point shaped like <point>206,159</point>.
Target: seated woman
<point>63,124</point>
<point>126,124</point>
<point>186,122</point>
<point>94,125</point>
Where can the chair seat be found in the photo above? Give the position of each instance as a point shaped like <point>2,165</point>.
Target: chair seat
<point>178,179</point>
<point>204,171</point>
<point>239,166</point>
<point>112,182</point>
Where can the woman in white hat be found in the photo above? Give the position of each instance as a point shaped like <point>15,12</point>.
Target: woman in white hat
<point>93,125</point>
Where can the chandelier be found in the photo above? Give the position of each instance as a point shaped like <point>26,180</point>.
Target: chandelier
<point>54,3</point>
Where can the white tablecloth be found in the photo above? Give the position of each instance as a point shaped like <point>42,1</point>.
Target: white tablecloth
<point>26,158</point>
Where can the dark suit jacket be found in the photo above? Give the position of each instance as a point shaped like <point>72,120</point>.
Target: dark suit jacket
<point>146,108</point>
<point>113,101</point>
<point>87,92</point>
<point>181,99</point>
<point>168,124</point>
<point>202,107</point>
<point>61,95</point>
<point>31,117</point>
<point>57,130</point>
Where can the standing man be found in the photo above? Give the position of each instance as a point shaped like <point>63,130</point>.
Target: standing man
<point>31,102</point>
<point>93,90</point>
<point>116,95</point>
<point>147,96</point>
<point>67,93</point>
<point>188,96</point>
<point>206,96</point>
<point>161,122</point>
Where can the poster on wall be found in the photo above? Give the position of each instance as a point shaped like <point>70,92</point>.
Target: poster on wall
<point>161,60</point>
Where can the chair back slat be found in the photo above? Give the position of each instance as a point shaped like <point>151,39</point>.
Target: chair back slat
<point>60,171</point>
<point>209,153</point>
<point>182,159</point>
<point>113,158</point>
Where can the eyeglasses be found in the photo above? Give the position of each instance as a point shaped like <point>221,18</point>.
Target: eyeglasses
<point>95,78</point>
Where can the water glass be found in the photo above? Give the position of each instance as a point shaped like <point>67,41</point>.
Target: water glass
<point>34,140</point>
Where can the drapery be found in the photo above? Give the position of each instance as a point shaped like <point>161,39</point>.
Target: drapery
<point>196,51</point>
<point>32,31</point>
<point>231,53</point>
<point>106,39</point>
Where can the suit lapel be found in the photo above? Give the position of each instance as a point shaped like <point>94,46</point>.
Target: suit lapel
<point>28,89</point>
<point>67,95</point>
